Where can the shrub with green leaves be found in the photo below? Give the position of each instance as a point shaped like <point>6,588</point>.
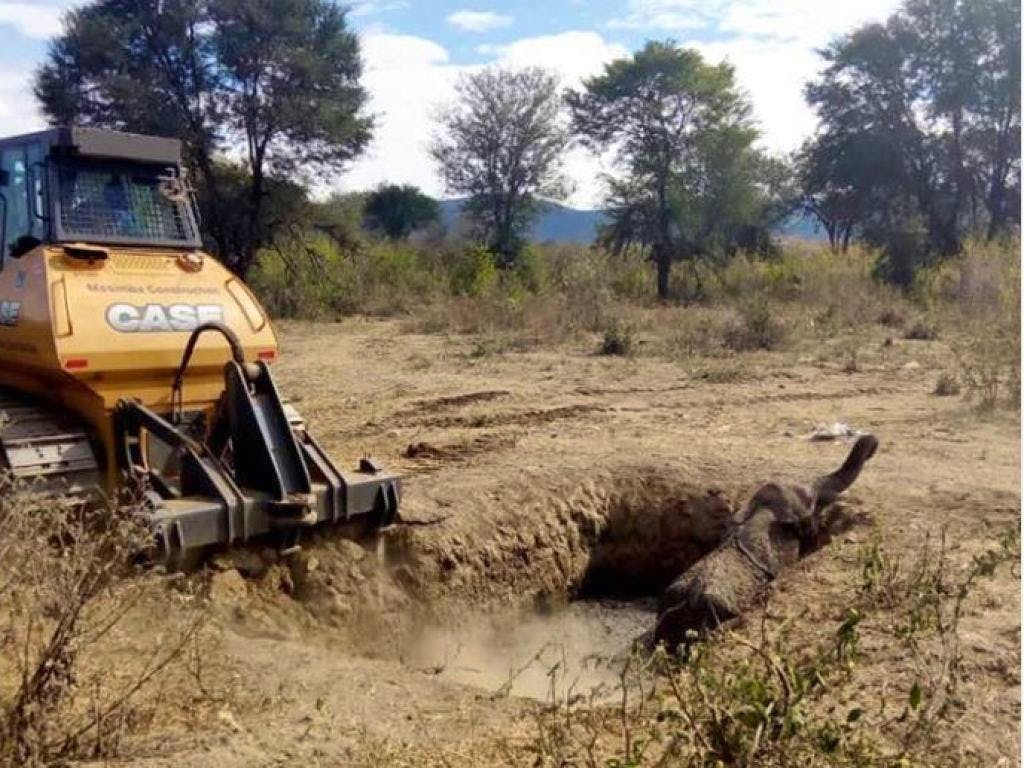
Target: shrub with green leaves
<point>756,327</point>
<point>475,274</point>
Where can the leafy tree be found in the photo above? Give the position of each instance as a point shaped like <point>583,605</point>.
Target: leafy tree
<point>399,210</point>
<point>838,206</point>
<point>995,137</point>
<point>340,217</point>
<point>227,215</point>
<point>501,145</point>
<point>920,131</point>
<point>274,81</point>
<point>683,135</point>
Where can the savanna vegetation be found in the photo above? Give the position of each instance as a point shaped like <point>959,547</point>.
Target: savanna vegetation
<point>917,153</point>
<point>805,295</point>
<point>913,176</point>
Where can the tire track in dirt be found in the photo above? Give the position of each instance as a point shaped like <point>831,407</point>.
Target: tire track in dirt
<point>430,457</point>
<point>530,417</point>
<point>789,397</point>
<point>453,401</point>
<point>600,391</point>
<point>419,416</point>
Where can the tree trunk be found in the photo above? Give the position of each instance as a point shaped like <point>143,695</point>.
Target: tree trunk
<point>663,259</point>
<point>246,258</point>
<point>249,249</point>
<point>997,212</point>
<point>996,199</point>
<point>959,179</point>
<point>662,250</point>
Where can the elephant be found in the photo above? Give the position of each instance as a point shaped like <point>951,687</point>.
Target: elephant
<point>780,524</point>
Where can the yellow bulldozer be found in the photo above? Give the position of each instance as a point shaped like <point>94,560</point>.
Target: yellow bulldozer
<point>131,358</point>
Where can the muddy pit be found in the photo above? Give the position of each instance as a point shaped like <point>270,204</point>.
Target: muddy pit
<point>547,601</point>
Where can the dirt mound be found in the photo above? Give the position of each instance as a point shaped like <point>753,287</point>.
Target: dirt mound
<point>536,654</point>
<point>624,532</point>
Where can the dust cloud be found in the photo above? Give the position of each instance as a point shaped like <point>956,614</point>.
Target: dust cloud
<point>578,649</point>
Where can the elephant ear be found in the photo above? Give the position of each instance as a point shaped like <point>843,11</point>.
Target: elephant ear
<point>828,487</point>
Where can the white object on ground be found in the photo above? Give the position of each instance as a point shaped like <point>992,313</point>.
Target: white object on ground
<point>834,431</point>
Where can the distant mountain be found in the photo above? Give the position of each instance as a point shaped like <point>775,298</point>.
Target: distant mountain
<point>556,223</point>
<point>561,224</point>
<point>802,226</point>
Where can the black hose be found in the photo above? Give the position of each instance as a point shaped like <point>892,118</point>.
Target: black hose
<point>236,353</point>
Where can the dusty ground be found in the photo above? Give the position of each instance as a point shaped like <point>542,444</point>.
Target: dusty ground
<point>535,475</point>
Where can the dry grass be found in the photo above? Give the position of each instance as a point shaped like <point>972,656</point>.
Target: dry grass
<point>756,327</point>
<point>809,297</point>
<point>947,385</point>
<point>981,299</point>
<point>69,582</point>
<point>618,340</point>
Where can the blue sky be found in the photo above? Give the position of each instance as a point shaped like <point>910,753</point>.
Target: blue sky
<point>416,49</point>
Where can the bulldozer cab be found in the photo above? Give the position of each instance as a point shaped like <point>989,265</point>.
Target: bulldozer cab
<point>69,185</point>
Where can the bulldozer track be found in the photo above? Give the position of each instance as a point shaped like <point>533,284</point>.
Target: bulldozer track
<point>45,446</point>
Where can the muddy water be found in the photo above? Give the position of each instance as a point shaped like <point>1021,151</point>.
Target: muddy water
<point>577,649</point>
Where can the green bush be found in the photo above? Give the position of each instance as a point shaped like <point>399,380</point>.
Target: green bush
<point>756,327</point>
<point>475,273</point>
<point>531,270</point>
<point>903,253</point>
<point>558,290</point>
<point>315,280</point>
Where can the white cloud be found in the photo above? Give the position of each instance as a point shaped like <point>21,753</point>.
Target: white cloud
<point>771,44</point>
<point>790,20</point>
<point>773,77</point>
<point>374,7</point>
<point>406,77</point>
<point>573,55</point>
<point>665,15</point>
<point>37,19</point>
<point>410,78</point>
<point>19,112</point>
<point>478,21</point>
<point>384,51</point>
<point>808,23</point>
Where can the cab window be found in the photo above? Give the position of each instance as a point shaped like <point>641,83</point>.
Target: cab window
<point>13,162</point>
<point>36,179</point>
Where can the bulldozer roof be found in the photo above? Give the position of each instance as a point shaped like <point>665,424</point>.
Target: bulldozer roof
<point>102,143</point>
